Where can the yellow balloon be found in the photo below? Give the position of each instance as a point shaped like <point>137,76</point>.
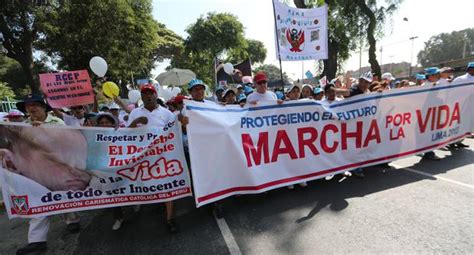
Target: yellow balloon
<point>110,89</point>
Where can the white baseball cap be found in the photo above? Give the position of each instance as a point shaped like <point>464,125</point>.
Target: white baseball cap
<point>388,76</point>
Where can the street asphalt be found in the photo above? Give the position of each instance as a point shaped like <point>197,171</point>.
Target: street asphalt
<point>416,206</point>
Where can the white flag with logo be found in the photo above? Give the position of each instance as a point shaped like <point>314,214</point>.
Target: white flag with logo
<point>302,33</point>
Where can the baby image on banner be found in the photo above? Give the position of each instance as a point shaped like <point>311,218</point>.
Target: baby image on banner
<point>52,170</point>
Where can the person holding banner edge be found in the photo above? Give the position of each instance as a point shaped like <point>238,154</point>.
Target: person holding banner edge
<point>197,89</point>
<point>38,229</point>
<point>151,114</point>
<point>293,93</point>
<point>107,120</point>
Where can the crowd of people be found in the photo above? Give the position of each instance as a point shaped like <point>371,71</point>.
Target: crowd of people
<point>156,112</point>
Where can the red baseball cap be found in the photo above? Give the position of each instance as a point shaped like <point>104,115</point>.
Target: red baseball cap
<point>179,99</point>
<point>149,87</point>
<point>261,76</point>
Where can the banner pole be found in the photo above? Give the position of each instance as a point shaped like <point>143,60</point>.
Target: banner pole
<point>278,45</point>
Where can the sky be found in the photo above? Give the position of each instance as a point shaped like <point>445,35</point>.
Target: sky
<point>425,19</point>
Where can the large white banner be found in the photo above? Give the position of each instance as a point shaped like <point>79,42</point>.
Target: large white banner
<point>302,33</point>
<point>253,149</point>
<point>52,169</point>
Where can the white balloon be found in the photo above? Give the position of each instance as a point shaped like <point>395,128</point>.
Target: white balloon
<point>134,96</point>
<point>166,94</point>
<point>175,91</point>
<point>98,65</point>
<point>228,68</point>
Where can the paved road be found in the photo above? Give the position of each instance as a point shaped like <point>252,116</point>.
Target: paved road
<point>414,207</point>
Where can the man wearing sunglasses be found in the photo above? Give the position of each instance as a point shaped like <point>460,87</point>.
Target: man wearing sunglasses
<point>262,94</point>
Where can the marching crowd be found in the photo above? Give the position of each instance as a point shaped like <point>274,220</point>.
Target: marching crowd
<point>155,112</point>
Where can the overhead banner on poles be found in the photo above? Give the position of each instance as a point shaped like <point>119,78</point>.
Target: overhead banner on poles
<point>49,170</point>
<point>302,33</point>
<point>250,150</point>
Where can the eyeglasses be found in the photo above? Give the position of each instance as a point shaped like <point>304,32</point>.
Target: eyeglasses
<point>261,82</point>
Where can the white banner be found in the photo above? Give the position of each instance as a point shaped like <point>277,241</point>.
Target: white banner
<point>250,150</point>
<point>302,34</point>
<point>54,169</point>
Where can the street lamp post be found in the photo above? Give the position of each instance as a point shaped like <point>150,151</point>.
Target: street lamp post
<point>411,57</point>
<point>412,38</point>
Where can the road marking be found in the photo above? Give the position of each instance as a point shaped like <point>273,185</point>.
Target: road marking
<point>433,176</point>
<point>228,237</point>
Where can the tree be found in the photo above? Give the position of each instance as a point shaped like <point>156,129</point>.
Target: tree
<point>13,75</point>
<point>273,72</point>
<point>376,17</point>
<point>447,46</point>
<point>218,35</point>
<point>169,44</point>
<point>6,91</point>
<point>341,34</point>
<point>349,22</point>
<point>123,32</point>
<point>20,26</point>
<point>253,49</point>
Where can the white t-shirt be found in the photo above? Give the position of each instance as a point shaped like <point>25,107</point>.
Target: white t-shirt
<point>429,83</point>
<point>464,78</point>
<point>157,118</point>
<point>443,81</point>
<point>326,101</point>
<point>268,96</point>
<point>71,120</point>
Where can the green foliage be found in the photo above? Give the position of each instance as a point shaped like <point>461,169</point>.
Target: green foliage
<point>218,35</point>
<point>6,91</point>
<point>352,23</point>
<point>272,71</point>
<point>253,49</point>
<point>12,74</point>
<point>169,44</point>
<point>20,26</point>
<point>215,34</point>
<point>447,46</point>
<point>123,32</point>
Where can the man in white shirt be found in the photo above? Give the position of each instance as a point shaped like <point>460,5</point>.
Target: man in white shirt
<point>151,114</point>
<point>465,78</point>
<point>262,94</point>
<point>432,76</point>
<point>77,119</point>
<point>38,109</point>
<point>388,77</point>
<point>330,95</point>
<point>446,74</point>
<point>468,76</point>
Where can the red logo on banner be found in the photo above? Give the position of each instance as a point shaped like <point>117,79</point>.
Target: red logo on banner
<point>20,204</point>
<point>295,38</point>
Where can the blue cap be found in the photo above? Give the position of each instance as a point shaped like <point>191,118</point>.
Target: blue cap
<point>470,65</point>
<point>241,98</point>
<point>431,71</point>
<point>279,95</point>
<point>248,90</point>
<point>195,82</point>
<point>420,76</point>
<point>317,90</point>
